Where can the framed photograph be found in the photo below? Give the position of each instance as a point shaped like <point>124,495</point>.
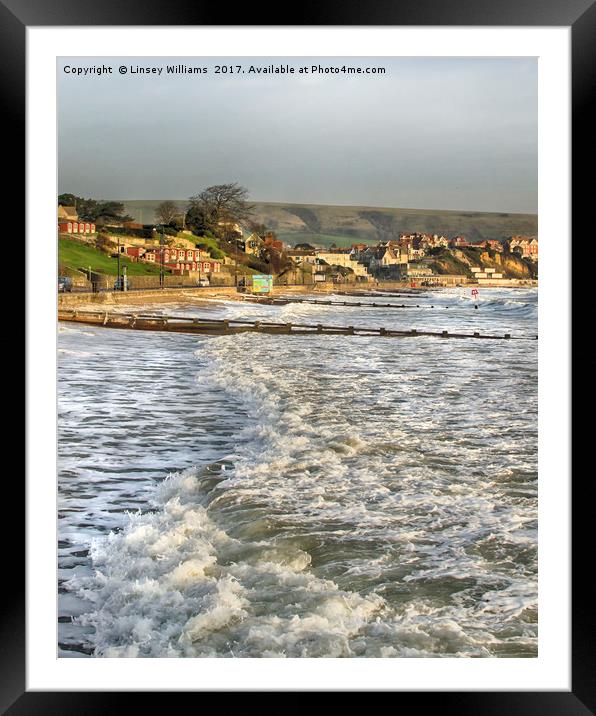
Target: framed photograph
<point>298,385</point>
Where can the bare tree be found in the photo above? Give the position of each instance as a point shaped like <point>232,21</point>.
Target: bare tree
<point>218,207</point>
<point>166,212</point>
<point>258,228</point>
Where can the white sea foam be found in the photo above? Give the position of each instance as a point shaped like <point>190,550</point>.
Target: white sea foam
<point>64,329</point>
<point>166,585</point>
<point>81,354</point>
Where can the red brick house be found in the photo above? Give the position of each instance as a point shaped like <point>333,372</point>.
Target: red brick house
<point>490,244</point>
<point>270,242</point>
<point>459,242</point>
<point>135,252</point>
<point>195,266</point>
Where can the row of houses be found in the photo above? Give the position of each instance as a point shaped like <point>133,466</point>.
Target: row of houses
<point>402,258</point>
<point>418,244</point>
<point>76,227</point>
<point>525,246</point>
<point>384,261</point>
<point>389,259</point>
<point>178,261</point>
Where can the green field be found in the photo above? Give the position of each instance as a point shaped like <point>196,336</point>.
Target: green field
<point>77,256</point>
<point>303,237</point>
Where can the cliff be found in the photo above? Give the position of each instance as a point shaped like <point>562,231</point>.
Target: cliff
<point>510,265</point>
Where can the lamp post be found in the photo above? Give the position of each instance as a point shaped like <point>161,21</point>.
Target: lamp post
<point>161,242</point>
<point>118,283</point>
<point>235,260</point>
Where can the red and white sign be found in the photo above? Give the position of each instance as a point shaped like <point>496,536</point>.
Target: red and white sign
<point>474,292</point>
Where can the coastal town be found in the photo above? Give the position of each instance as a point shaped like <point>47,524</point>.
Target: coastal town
<point>297,363</point>
<point>103,248</point>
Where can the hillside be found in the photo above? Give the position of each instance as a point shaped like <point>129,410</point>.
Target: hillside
<point>73,255</point>
<point>344,225</point>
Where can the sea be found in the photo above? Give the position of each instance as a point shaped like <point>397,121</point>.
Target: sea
<point>252,496</point>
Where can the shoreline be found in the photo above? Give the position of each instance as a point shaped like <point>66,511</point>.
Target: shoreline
<point>230,293</point>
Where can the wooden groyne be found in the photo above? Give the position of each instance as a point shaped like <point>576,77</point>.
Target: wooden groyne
<point>220,327</point>
<point>402,293</point>
<point>320,302</point>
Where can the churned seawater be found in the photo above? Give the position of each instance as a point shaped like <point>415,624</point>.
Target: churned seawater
<point>317,496</point>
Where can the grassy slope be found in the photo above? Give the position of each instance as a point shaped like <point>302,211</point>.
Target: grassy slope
<point>339,224</point>
<point>75,256</point>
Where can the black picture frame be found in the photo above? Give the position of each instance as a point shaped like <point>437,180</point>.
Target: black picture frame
<point>580,16</point>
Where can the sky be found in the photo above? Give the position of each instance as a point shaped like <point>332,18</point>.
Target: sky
<point>430,133</point>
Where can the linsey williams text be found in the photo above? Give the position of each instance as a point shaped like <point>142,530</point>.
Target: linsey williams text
<point>134,70</point>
